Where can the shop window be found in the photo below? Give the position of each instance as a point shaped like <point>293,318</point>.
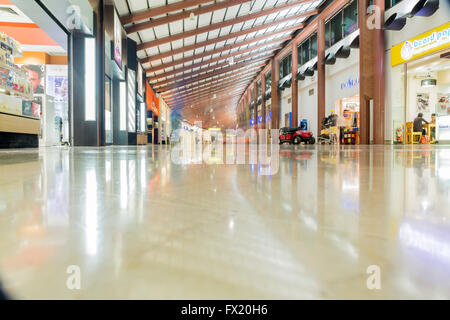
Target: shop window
<point>327,35</point>
<point>259,89</point>
<point>390,3</point>
<point>336,29</point>
<point>281,69</point>
<point>268,81</point>
<point>286,66</point>
<point>313,46</point>
<point>351,18</point>
<point>305,52</point>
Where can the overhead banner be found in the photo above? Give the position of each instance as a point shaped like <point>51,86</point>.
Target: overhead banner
<point>425,44</point>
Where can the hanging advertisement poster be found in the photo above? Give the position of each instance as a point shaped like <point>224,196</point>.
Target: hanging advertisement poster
<point>117,40</point>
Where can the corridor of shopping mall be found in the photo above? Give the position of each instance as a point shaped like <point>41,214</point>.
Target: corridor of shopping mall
<point>224,149</point>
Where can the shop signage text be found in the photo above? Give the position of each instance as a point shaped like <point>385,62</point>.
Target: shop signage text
<point>427,43</point>
<point>350,83</point>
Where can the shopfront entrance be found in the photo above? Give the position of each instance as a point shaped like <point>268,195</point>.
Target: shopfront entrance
<point>348,111</point>
<point>34,82</point>
<point>420,76</point>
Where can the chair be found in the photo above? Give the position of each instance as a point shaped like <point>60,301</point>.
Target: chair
<point>417,135</point>
<point>409,133</point>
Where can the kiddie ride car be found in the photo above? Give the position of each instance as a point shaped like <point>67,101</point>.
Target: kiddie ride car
<point>296,136</point>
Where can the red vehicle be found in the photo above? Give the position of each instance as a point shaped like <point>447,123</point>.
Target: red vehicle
<point>296,136</point>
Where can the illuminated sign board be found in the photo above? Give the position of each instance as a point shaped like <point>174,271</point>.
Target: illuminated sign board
<point>425,44</point>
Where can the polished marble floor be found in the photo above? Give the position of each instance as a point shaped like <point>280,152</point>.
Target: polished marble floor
<point>141,224</point>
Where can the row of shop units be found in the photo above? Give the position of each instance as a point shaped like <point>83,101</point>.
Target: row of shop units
<point>416,72</point>
<point>80,85</point>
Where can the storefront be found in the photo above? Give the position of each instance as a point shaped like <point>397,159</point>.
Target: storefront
<point>164,125</point>
<point>417,73</point>
<point>420,75</point>
<point>342,96</point>
<point>41,57</point>
<point>141,108</point>
<point>34,84</point>
<point>152,115</point>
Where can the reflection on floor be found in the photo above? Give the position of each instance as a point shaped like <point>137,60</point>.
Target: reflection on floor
<point>140,225</point>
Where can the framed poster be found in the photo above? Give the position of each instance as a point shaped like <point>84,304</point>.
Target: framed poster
<point>443,104</point>
<point>117,40</point>
<point>423,102</point>
<point>36,75</point>
<point>140,82</point>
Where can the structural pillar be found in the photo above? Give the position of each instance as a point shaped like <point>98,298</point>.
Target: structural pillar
<point>379,84</point>
<point>275,104</point>
<point>263,102</point>
<point>255,99</point>
<point>294,87</point>
<point>320,73</point>
<point>371,69</point>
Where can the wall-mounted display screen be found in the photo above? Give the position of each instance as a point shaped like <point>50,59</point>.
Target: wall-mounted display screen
<point>117,40</point>
<point>140,82</point>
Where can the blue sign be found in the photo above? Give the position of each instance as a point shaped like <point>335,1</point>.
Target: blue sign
<point>350,83</point>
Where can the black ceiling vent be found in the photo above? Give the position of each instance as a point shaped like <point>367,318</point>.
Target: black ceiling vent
<point>422,8</point>
<point>425,8</point>
<point>288,83</point>
<point>355,43</point>
<point>343,52</point>
<point>330,59</point>
<point>300,76</point>
<point>394,23</point>
<point>309,72</point>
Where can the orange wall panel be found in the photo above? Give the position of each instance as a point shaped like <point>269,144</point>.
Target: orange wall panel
<point>27,35</point>
<point>59,60</point>
<point>33,58</point>
<point>152,100</point>
<point>40,58</point>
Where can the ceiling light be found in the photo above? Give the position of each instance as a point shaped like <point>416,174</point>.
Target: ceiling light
<point>429,82</point>
<point>192,16</point>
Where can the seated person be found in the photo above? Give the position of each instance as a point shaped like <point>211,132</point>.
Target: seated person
<point>418,124</point>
